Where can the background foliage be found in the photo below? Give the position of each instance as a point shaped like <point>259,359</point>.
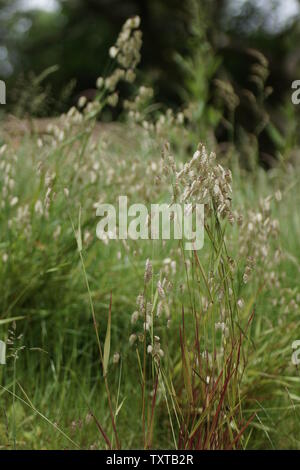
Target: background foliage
<point>76,36</point>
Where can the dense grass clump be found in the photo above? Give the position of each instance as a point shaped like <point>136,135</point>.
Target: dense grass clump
<point>140,343</point>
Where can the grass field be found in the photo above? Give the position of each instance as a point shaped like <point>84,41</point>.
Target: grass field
<point>143,344</point>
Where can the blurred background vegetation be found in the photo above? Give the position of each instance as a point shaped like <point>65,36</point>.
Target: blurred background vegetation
<point>54,50</point>
<point>231,64</point>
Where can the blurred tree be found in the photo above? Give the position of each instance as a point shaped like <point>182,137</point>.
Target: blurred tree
<point>77,35</point>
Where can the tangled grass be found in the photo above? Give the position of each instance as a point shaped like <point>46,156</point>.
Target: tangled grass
<point>141,344</point>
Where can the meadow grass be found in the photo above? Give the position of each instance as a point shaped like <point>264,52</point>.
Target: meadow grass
<point>141,344</point>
